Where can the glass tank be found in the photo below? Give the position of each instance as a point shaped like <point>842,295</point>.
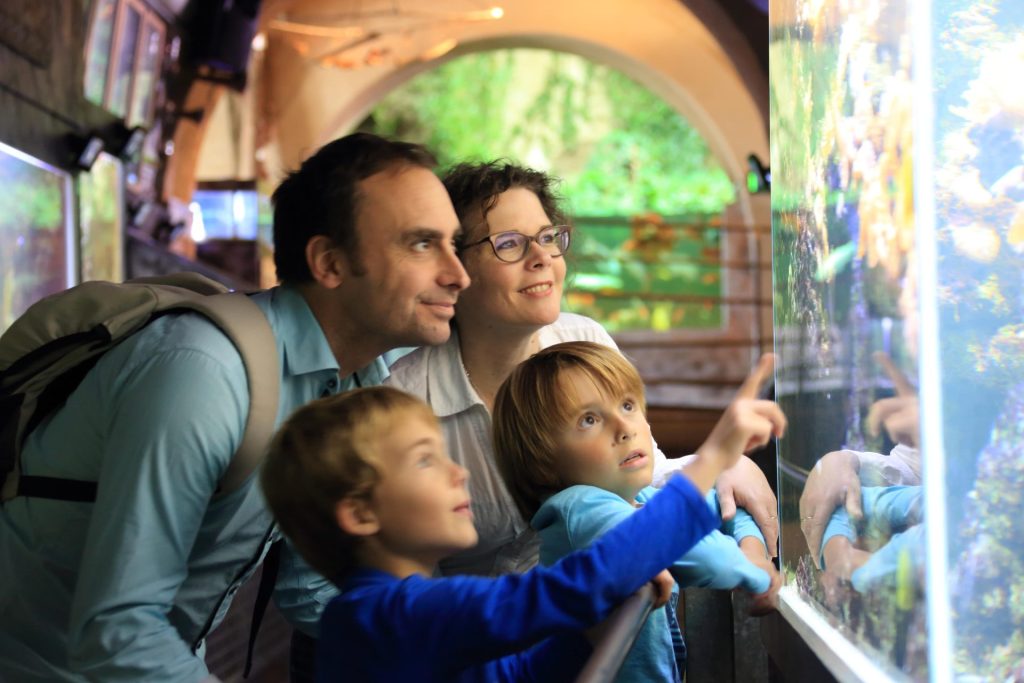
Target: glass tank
<point>897,136</point>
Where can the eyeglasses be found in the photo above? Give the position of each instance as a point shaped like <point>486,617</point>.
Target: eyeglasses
<point>512,246</point>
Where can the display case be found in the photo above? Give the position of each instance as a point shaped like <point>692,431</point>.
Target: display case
<point>897,136</point>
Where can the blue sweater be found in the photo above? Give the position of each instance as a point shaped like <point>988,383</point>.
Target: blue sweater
<point>575,517</point>
<point>518,627</point>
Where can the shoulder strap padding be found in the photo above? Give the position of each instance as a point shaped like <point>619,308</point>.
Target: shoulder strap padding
<point>247,327</point>
<point>126,308</point>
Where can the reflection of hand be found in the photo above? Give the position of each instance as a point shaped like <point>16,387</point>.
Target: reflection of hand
<point>899,563</point>
<point>833,481</point>
<point>662,584</point>
<point>744,484</point>
<point>899,414</point>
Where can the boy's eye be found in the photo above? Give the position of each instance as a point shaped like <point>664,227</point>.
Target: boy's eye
<point>587,421</point>
<point>425,460</point>
<point>628,406</point>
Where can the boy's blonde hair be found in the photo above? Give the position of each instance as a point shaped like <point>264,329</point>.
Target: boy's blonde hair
<point>533,408</point>
<point>325,452</point>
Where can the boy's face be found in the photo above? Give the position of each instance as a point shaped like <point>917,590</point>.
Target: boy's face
<point>607,442</point>
<point>421,502</point>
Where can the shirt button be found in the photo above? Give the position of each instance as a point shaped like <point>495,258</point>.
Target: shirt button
<point>332,384</point>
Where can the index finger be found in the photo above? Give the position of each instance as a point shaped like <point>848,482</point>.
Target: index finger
<point>899,380</point>
<point>754,382</point>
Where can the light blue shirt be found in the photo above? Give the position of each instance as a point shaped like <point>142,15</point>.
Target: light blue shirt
<point>575,517</point>
<point>127,588</point>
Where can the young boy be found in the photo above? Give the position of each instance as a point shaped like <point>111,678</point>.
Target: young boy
<point>362,486</point>
<point>573,444</point>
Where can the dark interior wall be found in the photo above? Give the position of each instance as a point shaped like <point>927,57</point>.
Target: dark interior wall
<point>42,47</point>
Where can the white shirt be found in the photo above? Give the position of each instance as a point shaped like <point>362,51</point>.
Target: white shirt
<point>436,375</point>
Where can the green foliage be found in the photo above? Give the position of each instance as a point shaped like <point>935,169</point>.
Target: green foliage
<point>619,149</point>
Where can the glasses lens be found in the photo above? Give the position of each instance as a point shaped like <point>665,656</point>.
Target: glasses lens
<point>564,238</point>
<point>509,246</point>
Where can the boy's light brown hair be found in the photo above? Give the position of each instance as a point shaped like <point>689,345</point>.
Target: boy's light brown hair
<point>325,452</point>
<point>534,407</point>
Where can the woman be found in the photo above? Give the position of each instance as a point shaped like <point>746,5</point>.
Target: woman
<point>514,240</point>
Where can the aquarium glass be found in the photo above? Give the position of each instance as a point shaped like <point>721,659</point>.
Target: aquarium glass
<point>898,265</point>
<point>131,19</point>
<point>36,256</point>
<point>97,59</point>
<point>100,215</point>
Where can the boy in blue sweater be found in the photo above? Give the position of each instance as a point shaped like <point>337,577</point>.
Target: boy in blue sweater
<point>362,486</point>
<point>573,444</point>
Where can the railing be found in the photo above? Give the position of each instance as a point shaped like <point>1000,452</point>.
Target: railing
<point>620,631</point>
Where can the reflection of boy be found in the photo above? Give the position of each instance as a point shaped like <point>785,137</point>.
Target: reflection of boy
<point>892,517</point>
<point>362,485</point>
<point>574,446</point>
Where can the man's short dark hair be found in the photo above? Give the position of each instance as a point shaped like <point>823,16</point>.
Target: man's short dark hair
<point>321,198</point>
<point>474,190</point>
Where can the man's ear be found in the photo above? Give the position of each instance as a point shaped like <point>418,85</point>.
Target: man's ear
<point>326,262</point>
<point>356,517</point>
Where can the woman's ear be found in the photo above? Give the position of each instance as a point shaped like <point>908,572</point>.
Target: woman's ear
<point>326,262</point>
<point>356,517</point>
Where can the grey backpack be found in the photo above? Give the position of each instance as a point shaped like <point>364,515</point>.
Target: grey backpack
<point>48,350</point>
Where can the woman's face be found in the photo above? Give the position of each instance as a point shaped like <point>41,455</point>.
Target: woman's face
<point>527,293</point>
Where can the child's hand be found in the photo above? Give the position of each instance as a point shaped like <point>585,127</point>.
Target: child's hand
<point>768,601</point>
<point>747,423</point>
<point>662,584</point>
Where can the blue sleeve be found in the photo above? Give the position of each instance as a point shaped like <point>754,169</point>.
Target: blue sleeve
<point>717,561</point>
<point>898,564</point>
<point>466,620</point>
<point>740,526</point>
<point>149,507</point>
<point>558,658</point>
<point>887,509</point>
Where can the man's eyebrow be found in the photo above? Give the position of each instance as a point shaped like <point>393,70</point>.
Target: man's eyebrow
<point>415,234</point>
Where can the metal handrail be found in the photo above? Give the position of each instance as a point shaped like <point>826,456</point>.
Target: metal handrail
<point>621,629</point>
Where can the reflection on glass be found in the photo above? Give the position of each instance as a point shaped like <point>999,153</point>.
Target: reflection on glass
<point>864,455</point>
<point>146,74</point>
<point>125,60</point>
<point>34,222</point>
<point>102,252</point>
<point>98,58</point>
<point>845,312</point>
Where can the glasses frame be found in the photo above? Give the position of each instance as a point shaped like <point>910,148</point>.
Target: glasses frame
<point>567,229</point>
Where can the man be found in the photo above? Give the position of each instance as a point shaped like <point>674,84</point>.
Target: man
<point>126,588</point>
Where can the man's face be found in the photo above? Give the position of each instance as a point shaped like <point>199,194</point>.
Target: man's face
<point>406,278</point>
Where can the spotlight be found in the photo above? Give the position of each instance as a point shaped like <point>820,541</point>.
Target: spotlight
<point>759,178</point>
<point>85,149</point>
<point>132,143</point>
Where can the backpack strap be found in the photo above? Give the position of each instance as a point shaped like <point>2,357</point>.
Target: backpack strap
<point>247,327</point>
